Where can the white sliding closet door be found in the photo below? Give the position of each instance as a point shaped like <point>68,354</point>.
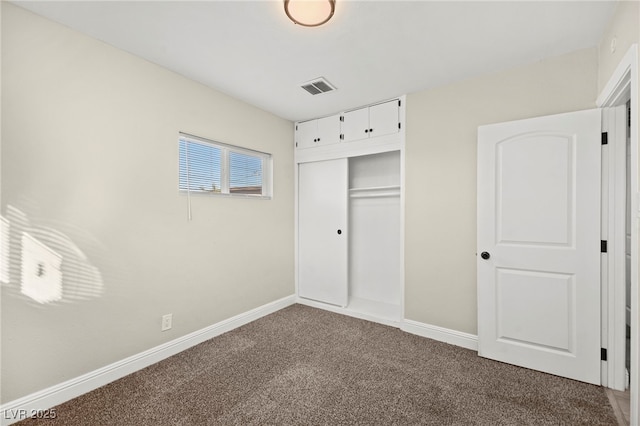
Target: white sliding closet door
<point>322,231</point>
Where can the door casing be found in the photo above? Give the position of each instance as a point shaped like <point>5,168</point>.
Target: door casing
<point>613,230</point>
<point>623,87</point>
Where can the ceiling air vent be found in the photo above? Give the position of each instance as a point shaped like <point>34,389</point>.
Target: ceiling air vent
<point>318,86</point>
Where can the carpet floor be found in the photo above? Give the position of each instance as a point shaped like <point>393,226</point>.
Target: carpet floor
<point>306,366</point>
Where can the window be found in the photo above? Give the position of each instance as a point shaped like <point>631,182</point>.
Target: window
<point>200,167</point>
<point>216,168</point>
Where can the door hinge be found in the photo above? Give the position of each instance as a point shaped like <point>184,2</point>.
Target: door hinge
<point>296,127</point>
<point>399,126</point>
<point>605,138</point>
<point>399,102</point>
<point>603,354</point>
<point>341,137</point>
<point>603,246</point>
<point>342,118</point>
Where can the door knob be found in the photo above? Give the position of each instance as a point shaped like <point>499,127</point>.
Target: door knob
<point>485,255</point>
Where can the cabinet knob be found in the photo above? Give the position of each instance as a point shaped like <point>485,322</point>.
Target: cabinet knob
<point>366,130</point>
<point>370,130</point>
<point>339,231</point>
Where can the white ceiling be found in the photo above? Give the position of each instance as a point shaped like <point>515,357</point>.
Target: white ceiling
<point>370,50</point>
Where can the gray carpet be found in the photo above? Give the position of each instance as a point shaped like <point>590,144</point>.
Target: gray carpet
<point>306,366</point>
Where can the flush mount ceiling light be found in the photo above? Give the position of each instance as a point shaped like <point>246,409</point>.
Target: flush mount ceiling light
<point>309,13</point>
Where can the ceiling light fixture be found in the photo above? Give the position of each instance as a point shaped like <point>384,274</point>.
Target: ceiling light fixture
<point>309,13</point>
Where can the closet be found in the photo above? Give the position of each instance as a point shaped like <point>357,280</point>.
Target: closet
<point>349,218</point>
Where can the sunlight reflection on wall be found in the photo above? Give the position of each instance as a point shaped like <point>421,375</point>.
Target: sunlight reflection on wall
<point>44,264</point>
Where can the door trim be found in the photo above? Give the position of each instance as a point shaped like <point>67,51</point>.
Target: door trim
<point>623,86</point>
<point>613,275</point>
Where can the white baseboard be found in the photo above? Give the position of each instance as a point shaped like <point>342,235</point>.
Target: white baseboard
<point>453,337</point>
<point>373,317</point>
<point>446,335</point>
<point>29,405</point>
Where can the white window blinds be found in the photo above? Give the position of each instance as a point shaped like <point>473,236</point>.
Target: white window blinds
<point>200,167</point>
<point>215,168</point>
<point>245,173</point>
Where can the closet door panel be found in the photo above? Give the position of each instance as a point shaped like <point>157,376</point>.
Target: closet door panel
<point>322,231</point>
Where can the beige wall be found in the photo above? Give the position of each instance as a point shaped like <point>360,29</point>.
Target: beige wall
<point>440,242</point>
<point>89,156</point>
<point>89,153</point>
<point>623,27</point>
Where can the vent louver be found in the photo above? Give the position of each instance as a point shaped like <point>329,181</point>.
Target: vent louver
<point>318,86</point>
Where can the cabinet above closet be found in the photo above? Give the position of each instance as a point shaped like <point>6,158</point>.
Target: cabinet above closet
<point>373,121</point>
<point>321,131</point>
<point>362,131</point>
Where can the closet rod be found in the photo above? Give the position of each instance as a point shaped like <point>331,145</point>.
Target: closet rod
<point>376,188</point>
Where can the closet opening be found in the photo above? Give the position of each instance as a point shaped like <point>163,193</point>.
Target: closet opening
<point>375,286</point>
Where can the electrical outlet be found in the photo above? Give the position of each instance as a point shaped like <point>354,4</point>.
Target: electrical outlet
<point>166,322</point>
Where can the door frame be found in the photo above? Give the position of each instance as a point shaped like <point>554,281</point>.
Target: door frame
<point>613,230</point>
<point>622,87</point>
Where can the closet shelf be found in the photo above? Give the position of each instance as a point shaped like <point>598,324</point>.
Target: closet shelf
<point>375,191</point>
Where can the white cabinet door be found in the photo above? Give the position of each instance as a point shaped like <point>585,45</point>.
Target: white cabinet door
<point>539,244</point>
<point>306,134</point>
<point>355,125</point>
<point>384,119</point>
<point>370,122</point>
<point>322,231</point>
<point>321,131</point>
<point>328,130</point>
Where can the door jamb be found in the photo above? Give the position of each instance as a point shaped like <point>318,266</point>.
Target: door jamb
<point>623,85</point>
<point>613,231</point>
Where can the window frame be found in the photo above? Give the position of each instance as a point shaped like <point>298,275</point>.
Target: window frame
<point>225,170</point>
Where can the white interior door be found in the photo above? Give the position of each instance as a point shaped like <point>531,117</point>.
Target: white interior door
<point>322,231</point>
<point>539,244</point>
